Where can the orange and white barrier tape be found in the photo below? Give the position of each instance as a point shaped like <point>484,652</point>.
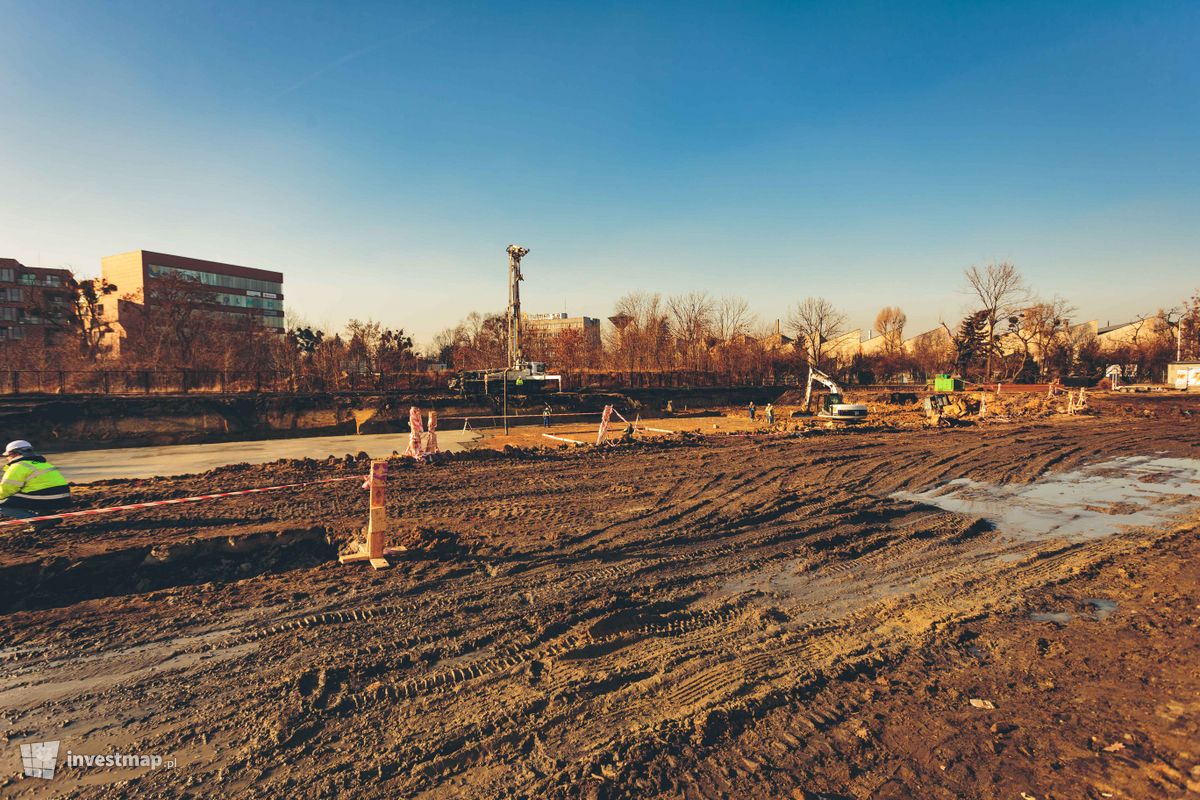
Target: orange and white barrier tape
<point>134,506</point>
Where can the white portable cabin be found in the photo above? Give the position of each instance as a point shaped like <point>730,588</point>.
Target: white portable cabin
<point>1184,375</point>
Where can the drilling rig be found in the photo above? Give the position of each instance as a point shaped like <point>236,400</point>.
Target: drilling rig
<point>515,254</point>
<point>521,376</point>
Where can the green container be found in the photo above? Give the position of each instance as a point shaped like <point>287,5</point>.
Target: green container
<point>944,383</point>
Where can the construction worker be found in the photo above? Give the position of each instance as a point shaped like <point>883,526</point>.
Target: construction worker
<point>670,407</point>
<point>32,486</point>
<point>546,416</point>
<point>770,409</point>
<point>751,409</point>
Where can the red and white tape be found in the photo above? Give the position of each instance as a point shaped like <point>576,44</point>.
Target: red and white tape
<point>92,511</point>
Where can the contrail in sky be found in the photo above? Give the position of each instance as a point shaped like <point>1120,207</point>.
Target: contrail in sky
<point>347,58</point>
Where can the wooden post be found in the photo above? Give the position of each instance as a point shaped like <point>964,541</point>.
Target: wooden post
<point>373,550</point>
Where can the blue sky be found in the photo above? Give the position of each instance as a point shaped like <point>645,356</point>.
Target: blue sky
<point>383,155</point>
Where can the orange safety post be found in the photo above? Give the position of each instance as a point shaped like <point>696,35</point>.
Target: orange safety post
<point>373,550</point>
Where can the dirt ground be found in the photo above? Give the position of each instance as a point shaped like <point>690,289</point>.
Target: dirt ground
<point>702,616</point>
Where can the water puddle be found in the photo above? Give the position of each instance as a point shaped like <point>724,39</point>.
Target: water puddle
<point>1101,609</point>
<point>1094,501</point>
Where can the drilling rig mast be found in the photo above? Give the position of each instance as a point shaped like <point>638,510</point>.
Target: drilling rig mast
<point>524,376</point>
<point>515,254</point>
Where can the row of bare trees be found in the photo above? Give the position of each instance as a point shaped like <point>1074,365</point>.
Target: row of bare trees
<point>1007,334</point>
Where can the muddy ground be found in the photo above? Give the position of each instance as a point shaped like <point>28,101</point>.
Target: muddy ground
<point>719,616</point>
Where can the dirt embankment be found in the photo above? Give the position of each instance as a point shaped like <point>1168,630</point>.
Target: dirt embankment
<point>80,422</point>
<point>726,616</point>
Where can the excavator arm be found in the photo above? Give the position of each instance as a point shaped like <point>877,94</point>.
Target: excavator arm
<point>815,374</point>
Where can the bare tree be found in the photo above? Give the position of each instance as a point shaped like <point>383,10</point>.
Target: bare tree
<point>732,322</point>
<point>733,318</point>
<point>1000,290</point>
<point>77,307</point>
<point>1189,328</point>
<point>933,351</point>
<point>1043,329</point>
<point>816,321</point>
<point>691,325</point>
<point>890,322</point>
<point>641,335</point>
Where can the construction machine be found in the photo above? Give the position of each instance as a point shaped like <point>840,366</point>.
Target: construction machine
<point>947,410</point>
<point>528,377</point>
<point>520,376</point>
<point>833,405</point>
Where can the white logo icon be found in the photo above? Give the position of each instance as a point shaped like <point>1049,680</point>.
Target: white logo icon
<point>39,759</point>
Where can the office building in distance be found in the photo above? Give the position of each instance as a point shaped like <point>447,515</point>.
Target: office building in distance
<point>22,290</point>
<point>554,324</point>
<point>228,291</point>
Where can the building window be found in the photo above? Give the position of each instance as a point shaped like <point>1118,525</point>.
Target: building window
<point>213,279</point>
<point>6,275</point>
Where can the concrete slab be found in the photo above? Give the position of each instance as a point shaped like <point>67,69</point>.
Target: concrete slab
<point>82,466</point>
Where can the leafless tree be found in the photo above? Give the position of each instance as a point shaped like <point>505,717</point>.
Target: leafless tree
<point>890,322</point>
<point>691,324</point>
<point>1000,290</point>
<point>1189,328</point>
<point>816,321</point>
<point>1043,330</point>
<point>641,337</point>
<point>733,318</point>
<point>933,351</point>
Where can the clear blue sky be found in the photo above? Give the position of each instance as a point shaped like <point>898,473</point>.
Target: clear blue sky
<point>383,155</point>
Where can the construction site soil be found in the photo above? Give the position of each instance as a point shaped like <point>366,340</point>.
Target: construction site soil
<point>886,611</point>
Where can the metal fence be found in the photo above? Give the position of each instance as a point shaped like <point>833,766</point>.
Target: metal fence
<point>198,381</point>
<point>190,381</point>
<point>193,381</point>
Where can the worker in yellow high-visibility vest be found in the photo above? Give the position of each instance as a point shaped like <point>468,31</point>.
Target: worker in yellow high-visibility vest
<point>31,486</point>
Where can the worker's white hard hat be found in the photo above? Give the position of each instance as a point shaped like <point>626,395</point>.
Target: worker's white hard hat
<point>19,444</point>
